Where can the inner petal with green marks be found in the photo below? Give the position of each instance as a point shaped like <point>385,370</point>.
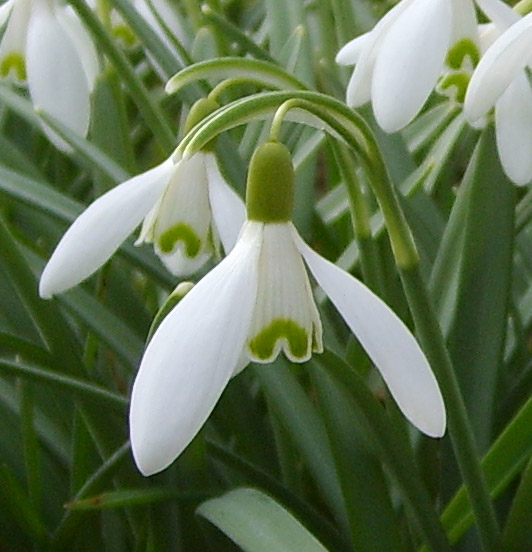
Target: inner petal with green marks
<point>170,239</point>
<point>285,317</point>
<point>181,224</point>
<point>282,333</point>
<point>13,63</point>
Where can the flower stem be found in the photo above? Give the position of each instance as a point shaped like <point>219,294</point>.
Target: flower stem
<point>432,341</point>
<point>431,338</point>
<point>360,217</point>
<point>523,7</point>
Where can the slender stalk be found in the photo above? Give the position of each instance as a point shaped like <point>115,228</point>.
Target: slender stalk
<point>360,217</point>
<point>433,343</point>
<point>462,438</point>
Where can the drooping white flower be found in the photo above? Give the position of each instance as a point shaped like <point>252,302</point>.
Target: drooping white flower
<point>187,207</point>
<point>254,304</point>
<point>399,62</point>
<point>47,45</point>
<point>500,81</point>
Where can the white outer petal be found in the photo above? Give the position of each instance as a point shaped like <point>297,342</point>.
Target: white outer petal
<point>359,87</point>
<point>464,21</point>
<point>388,342</point>
<point>56,77</point>
<point>350,53</point>
<point>499,13</point>
<point>96,234</point>
<point>5,10</point>
<point>513,128</point>
<point>82,41</point>
<point>228,209</point>
<point>192,356</point>
<point>409,62</point>
<point>498,67</point>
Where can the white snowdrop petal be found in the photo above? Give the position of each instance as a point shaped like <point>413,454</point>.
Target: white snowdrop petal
<point>502,15</point>
<point>182,225</point>
<point>513,128</point>
<point>388,342</point>
<point>192,356</point>
<point>350,53</point>
<point>410,61</point>
<point>13,42</point>
<point>285,315</point>
<point>56,78</point>
<point>498,67</point>
<point>101,228</point>
<point>82,42</point>
<point>228,210</point>
<point>359,87</point>
<point>5,11</point>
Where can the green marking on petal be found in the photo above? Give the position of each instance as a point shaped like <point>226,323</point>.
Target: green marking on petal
<point>458,81</point>
<point>263,344</point>
<point>180,233</point>
<point>13,62</point>
<point>124,33</point>
<point>462,49</point>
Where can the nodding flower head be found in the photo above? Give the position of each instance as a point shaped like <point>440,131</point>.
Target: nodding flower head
<point>256,303</point>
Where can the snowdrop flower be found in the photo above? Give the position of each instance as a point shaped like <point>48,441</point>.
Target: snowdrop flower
<point>187,206</point>
<point>500,81</point>
<point>399,62</point>
<point>47,45</point>
<point>255,303</point>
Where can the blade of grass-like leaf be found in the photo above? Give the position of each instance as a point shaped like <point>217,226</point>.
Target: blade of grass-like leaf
<point>479,282</point>
<point>233,32</point>
<point>79,387</point>
<point>394,452</point>
<point>30,442</point>
<point>130,497</point>
<point>53,328</point>
<point>257,523</point>
<point>151,111</point>
<point>505,459</point>
<point>518,531</point>
<point>67,527</point>
<point>165,58</point>
<point>21,507</point>
<point>45,198</point>
<point>88,151</point>
<point>254,475</point>
<point>306,428</point>
<point>373,522</point>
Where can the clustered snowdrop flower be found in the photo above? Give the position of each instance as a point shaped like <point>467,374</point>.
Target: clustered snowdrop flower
<point>187,207</point>
<point>399,62</point>
<point>255,303</point>
<point>46,44</point>
<point>500,81</point>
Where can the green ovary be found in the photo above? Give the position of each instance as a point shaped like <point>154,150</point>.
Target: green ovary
<point>180,233</point>
<point>462,49</point>
<point>263,344</point>
<point>13,62</point>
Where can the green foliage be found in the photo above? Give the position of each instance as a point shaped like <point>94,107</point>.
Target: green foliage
<point>306,457</point>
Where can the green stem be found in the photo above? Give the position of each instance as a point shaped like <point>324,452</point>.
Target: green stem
<point>460,431</point>
<point>361,220</point>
